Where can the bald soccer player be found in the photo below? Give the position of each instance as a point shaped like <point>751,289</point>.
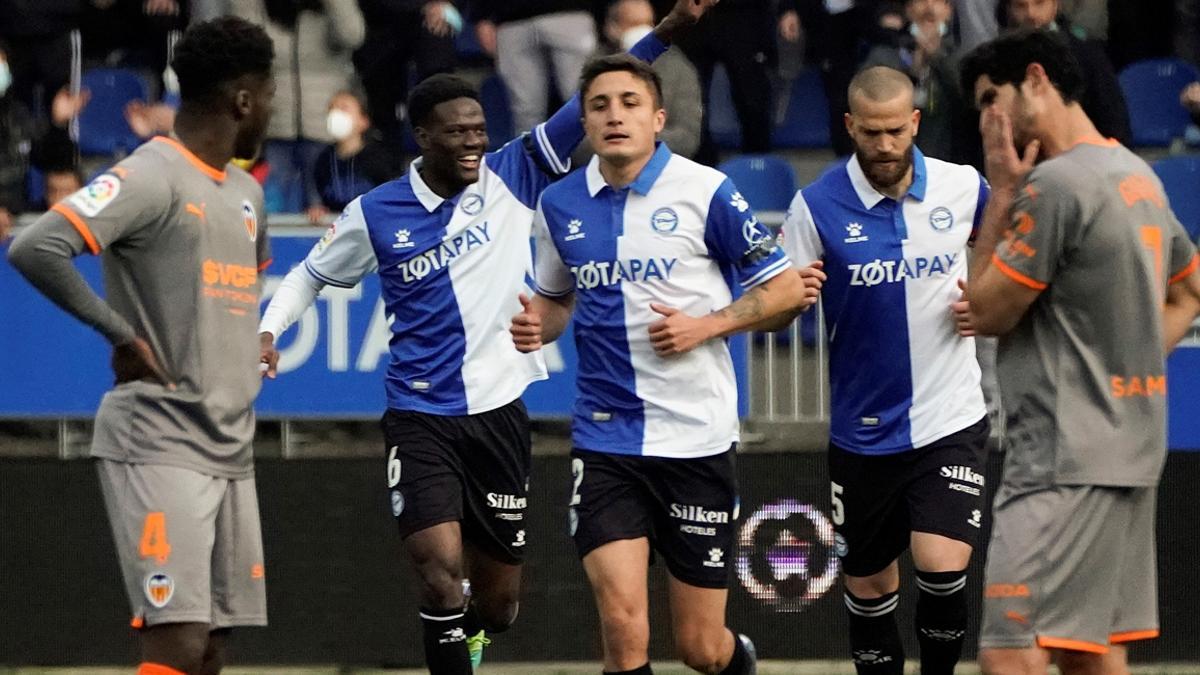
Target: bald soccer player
<point>1089,279</point>
<point>909,425</point>
<point>182,242</point>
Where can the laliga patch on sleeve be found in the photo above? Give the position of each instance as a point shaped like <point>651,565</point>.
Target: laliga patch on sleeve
<point>98,194</point>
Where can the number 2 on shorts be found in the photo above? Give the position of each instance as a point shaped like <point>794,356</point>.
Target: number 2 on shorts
<point>577,472</point>
<point>154,538</point>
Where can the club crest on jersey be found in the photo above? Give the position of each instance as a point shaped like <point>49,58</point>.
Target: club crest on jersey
<point>941,219</point>
<point>98,194</point>
<point>250,220</point>
<point>854,233</point>
<point>472,204</point>
<point>402,240</point>
<point>575,230</point>
<point>160,588</point>
<point>664,220</point>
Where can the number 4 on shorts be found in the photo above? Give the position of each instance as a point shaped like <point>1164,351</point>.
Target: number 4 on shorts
<point>154,538</point>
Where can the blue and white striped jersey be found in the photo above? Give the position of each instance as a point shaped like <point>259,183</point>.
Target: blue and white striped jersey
<point>900,375</point>
<point>680,235</point>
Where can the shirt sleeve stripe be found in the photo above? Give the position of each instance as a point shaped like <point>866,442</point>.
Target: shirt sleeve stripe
<point>767,272</point>
<point>547,148</point>
<point>324,279</point>
<point>1186,271</point>
<point>551,294</point>
<point>80,227</point>
<point>1016,276</point>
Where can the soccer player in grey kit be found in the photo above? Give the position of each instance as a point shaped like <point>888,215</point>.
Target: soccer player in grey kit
<point>1089,279</point>
<point>182,242</point>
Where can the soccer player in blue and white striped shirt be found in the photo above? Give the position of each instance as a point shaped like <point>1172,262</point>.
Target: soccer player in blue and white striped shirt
<point>643,247</point>
<point>450,241</point>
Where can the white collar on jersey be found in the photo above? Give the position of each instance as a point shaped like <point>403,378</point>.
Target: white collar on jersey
<point>645,178</point>
<point>870,196</point>
<point>428,198</point>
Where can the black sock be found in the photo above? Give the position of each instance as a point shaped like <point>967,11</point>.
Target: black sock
<point>941,620</point>
<point>644,670</point>
<point>472,624</point>
<point>739,663</point>
<point>874,637</point>
<point>445,642</point>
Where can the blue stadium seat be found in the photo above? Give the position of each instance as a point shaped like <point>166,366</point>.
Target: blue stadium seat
<point>102,126</point>
<point>494,99</point>
<point>35,185</point>
<point>766,181</point>
<point>1181,179</point>
<point>466,44</point>
<point>805,123</point>
<point>1151,89</point>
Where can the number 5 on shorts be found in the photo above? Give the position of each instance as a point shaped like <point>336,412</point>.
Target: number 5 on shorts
<point>154,538</point>
<point>839,511</point>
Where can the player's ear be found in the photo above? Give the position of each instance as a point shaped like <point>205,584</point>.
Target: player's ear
<point>421,136</point>
<point>916,121</point>
<point>660,120</point>
<point>243,102</point>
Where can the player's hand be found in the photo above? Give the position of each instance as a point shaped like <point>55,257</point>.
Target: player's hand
<point>526,327</point>
<point>789,26</point>
<point>268,359</point>
<point>685,13</point>
<point>676,332</point>
<point>813,278</point>
<point>1004,168</point>
<point>961,309</point>
<point>135,360</point>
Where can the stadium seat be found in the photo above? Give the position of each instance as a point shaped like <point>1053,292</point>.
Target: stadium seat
<point>102,126</point>
<point>766,181</point>
<point>1151,89</point>
<point>494,98</point>
<point>1181,179</point>
<point>35,185</point>
<point>805,122</point>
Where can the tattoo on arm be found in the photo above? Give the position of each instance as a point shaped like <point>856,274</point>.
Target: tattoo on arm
<point>748,308</point>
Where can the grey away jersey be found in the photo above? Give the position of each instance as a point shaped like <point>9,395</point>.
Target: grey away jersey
<point>1082,376</point>
<point>183,246</point>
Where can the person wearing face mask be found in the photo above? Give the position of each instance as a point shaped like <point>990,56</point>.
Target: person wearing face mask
<point>627,22</point>
<point>353,164</point>
<point>928,52</point>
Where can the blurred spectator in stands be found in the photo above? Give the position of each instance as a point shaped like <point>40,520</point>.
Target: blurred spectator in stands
<point>1088,18</point>
<point>353,164</point>
<point>836,33</point>
<point>1190,99</point>
<point>977,22</point>
<point>1102,98</point>
<point>60,183</point>
<point>399,33</point>
<point>1187,30</point>
<point>25,142</point>
<point>627,22</point>
<point>740,35</point>
<point>134,34</point>
<point>44,53</point>
<point>314,40</point>
<point>531,39</point>
<point>928,52</point>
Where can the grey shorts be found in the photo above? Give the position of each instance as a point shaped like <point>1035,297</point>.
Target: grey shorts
<point>189,544</point>
<point>1071,567</point>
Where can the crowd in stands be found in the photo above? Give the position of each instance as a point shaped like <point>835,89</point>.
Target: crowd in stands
<point>344,68</point>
